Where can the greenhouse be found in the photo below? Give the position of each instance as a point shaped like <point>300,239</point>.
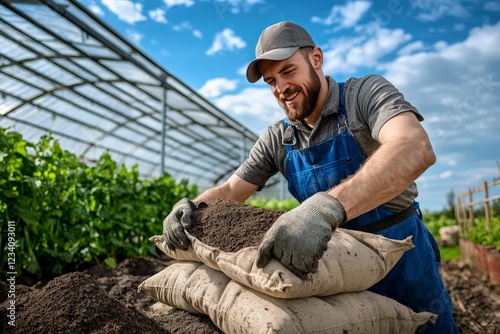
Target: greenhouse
<point>64,71</point>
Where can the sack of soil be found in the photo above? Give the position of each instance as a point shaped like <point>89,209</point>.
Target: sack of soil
<point>235,308</point>
<point>353,261</point>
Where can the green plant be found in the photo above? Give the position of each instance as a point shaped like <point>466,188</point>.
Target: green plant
<point>273,203</point>
<point>435,222</point>
<point>485,233</point>
<point>67,215</point>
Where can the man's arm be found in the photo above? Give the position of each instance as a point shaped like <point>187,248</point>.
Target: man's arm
<point>234,189</point>
<point>404,155</point>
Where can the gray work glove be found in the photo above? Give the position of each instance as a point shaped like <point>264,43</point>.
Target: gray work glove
<point>179,219</point>
<point>299,237</point>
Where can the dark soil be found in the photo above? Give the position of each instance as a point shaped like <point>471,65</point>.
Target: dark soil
<point>215,225</point>
<point>476,302</point>
<point>103,300</point>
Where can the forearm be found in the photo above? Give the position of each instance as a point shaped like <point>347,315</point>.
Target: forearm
<point>234,189</point>
<point>387,173</point>
<point>211,195</point>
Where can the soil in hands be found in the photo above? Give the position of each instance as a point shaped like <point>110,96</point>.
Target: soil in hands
<point>103,300</point>
<point>231,226</point>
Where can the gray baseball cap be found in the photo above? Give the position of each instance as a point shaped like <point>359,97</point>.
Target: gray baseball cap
<point>278,42</point>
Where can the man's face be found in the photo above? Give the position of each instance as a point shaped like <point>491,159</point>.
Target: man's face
<point>294,83</point>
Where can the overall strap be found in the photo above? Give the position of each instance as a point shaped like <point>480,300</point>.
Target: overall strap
<point>288,137</point>
<point>342,116</point>
<point>341,98</point>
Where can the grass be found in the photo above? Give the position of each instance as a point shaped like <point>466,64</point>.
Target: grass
<point>450,253</point>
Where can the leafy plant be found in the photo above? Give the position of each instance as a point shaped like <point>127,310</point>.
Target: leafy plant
<point>67,215</point>
<point>435,222</point>
<point>485,233</point>
<point>273,203</point>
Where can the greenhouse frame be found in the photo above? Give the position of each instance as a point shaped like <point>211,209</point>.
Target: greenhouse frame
<point>65,71</point>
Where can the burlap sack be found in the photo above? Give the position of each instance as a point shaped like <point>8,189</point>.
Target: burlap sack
<point>237,309</point>
<point>353,261</point>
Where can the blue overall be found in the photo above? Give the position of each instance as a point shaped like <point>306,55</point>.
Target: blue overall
<point>415,280</point>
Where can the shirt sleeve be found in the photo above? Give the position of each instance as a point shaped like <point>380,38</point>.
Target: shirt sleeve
<point>263,161</point>
<point>378,101</point>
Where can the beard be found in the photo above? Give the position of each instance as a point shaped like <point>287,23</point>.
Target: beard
<point>296,112</point>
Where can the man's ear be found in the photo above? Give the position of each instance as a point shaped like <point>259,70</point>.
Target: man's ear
<point>317,57</point>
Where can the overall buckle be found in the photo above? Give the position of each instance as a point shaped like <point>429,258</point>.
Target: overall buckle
<point>288,136</point>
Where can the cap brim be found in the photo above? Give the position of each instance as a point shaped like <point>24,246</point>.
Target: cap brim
<point>253,73</point>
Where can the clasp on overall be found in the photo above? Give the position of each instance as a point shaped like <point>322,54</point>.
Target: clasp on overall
<point>288,136</point>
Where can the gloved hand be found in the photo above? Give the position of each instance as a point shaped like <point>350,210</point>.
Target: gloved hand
<point>179,219</point>
<point>299,237</point>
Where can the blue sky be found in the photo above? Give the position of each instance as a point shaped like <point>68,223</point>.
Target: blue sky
<point>443,55</point>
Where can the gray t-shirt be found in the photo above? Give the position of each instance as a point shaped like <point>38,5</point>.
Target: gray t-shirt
<point>370,101</point>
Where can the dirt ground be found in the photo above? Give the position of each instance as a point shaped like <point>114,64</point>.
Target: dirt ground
<point>103,300</point>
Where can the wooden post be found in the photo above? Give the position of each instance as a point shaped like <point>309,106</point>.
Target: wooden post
<point>471,208</point>
<point>464,209</point>
<point>458,216</point>
<point>464,216</point>
<point>487,213</point>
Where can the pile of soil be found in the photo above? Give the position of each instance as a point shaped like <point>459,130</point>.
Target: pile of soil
<point>99,300</point>
<point>103,300</point>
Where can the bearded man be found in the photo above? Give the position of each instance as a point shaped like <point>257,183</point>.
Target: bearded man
<point>351,153</point>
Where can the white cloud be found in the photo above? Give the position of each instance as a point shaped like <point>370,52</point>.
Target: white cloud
<point>446,174</point>
<point>440,45</point>
<point>225,40</point>
<point>233,6</point>
<point>346,55</point>
<point>474,177</point>
<point>187,26</point>
<point>256,107</point>
<point>434,188</point>
<point>215,87</point>
<point>347,16</point>
<point>243,72</point>
<point>411,48</point>
<point>473,59</point>
<point>172,3</point>
<point>96,9</point>
<point>183,26</point>
<point>197,33</point>
<point>158,15</point>
<point>457,86</point>
<point>126,10</point>
<point>433,10</point>
<point>134,36</point>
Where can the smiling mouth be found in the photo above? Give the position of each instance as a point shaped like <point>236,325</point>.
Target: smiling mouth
<point>290,97</point>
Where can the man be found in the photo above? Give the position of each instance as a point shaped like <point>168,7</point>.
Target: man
<point>350,153</point>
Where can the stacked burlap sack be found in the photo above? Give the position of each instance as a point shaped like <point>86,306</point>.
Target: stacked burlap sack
<point>241,298</point>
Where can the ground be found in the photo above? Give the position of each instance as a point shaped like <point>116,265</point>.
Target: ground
<point>103,300</point>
